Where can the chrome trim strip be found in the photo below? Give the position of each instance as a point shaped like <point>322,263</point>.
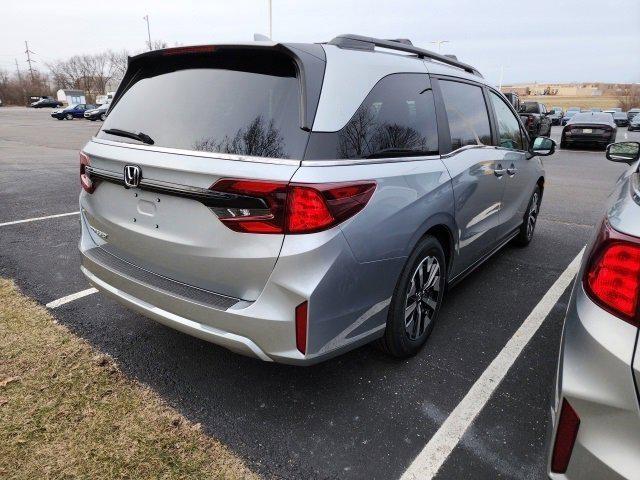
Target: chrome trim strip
<point>196,153</point>
<point>465,148</point>
<point>365,161</point>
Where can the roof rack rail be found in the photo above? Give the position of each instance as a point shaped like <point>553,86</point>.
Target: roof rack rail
<point>359,42</point>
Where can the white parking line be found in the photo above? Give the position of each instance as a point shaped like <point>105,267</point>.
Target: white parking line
<point>437,450</point>
<point>26,220</point>
<point>70,298</point>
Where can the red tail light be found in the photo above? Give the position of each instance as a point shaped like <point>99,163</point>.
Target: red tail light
<point>612,277</point>
<point>85,182</point>
<point>568,425</point>
<point>293,208</point>
<point>301,327</point>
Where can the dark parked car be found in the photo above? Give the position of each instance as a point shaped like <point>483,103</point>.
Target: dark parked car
<point>72,111</point>
<point>556,115</point>
<point>514,100</point>
<point>535,118</point>
<point>634,124</point>
<point>589,128</point>
<point>632,113</point>
<point>620,118</point>
<point>99,113</point>
<point>568,115</point>
<point>46,102</point>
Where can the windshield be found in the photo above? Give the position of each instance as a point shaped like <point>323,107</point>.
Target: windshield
<point>239,103</point>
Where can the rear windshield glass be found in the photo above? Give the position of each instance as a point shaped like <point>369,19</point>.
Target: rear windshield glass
<point>238,102</point>
<point>528,107</point>
<point>592,118</point>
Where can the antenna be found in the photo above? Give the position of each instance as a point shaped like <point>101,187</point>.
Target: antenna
<point>29,61</point>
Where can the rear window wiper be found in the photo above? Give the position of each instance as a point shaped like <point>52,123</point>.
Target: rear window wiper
<point>403,152</point>
<point>142,137</point>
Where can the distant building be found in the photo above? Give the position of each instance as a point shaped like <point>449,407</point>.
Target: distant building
<point>71,97</point>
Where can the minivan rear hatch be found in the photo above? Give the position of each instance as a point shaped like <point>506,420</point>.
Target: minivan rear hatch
<point>182,120</point>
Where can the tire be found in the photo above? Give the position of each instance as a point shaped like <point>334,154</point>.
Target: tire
<point>68,116</point>
<point>528,227</point>
<point>102,116</point>
<point>404,338</point>
<point>563,143</point>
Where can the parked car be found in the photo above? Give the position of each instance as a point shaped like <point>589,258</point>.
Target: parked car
<point>514,99</point>
<point>596,425</point>
<point>0,102</point>
<point>535,118</point>
<point>612,112</point>
<point>567,116</point>
<point>99,113</point>
<point>589,128</point>
<point>293,234</point>
<point>632,113</point>
<point>556,115</point>
<point>620,119</point>
<point>46,102</point>
<point>72,111</point>
<point>634,124</point>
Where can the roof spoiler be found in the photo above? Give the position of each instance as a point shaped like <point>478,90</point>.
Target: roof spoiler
<point>359,42</point>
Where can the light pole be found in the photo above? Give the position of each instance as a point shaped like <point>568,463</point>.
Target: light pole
<point>146,19</point>
<point>270,21</point>
<point>439,42</point>
<point>502,67</point>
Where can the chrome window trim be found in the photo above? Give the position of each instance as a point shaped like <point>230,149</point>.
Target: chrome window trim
<point>196,153</point>
<point>468,147</point>
<point>365,161</point>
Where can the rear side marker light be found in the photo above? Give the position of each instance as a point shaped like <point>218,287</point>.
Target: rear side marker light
<point>85,181</point>
<point>293,208</point>
<point>612,278</point>
<point>568,425</point>
<point>301,327</point>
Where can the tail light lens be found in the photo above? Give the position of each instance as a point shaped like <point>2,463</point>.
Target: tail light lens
<point>568,425</point>
<point>302,313</point>
<point>85,182</point>
<point>293,208</point>
<point>612,277</point>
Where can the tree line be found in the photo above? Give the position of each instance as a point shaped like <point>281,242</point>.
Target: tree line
<point>92,73</point>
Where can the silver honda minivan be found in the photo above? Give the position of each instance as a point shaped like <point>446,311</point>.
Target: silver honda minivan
<point>293,201</point>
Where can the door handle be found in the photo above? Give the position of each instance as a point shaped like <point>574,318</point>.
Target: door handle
<point>498,172</point>
<point>512,170</point>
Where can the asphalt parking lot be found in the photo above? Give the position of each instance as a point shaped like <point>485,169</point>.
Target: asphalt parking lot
<point>361,415</point>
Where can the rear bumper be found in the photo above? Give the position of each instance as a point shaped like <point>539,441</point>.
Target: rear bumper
<point>346,308</point>
<point>595,377</point>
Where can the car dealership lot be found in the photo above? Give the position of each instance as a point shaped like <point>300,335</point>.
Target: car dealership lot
<point>361,415</point>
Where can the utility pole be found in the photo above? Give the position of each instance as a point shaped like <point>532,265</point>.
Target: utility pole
<point>146,19</point>
<point>439,42</point>
<point>29,61</point>
<point>270,21</point>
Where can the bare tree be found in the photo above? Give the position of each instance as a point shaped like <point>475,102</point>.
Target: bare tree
<point>629,97</point>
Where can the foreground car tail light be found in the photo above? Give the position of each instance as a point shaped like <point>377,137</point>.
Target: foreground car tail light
<point>302,312</point>
<point>568,425</point>
<point>293,208</point>
<point>85,182</point>
<point>612,277</point>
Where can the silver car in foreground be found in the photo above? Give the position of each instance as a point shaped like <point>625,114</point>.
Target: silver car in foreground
<point>596,416</point>
<point>293,201</point>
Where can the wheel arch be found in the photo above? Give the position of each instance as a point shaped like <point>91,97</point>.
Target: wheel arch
<point>441,226</point>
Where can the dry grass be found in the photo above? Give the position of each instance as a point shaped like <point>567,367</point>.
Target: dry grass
<point>67,411</point>
<point>603,103</point>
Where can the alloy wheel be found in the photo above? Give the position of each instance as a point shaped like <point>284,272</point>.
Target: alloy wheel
<point>421,301</point>
<point>533,215</point>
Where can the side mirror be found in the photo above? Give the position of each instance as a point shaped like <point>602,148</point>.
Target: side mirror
<point>625,152</point>
<point>542,146</point>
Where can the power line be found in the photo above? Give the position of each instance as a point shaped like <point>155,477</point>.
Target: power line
<point>29,61</point>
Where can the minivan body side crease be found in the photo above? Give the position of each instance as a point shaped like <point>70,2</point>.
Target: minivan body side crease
<point>317,198</point>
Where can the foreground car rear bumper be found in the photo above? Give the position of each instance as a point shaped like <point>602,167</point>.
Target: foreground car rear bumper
<point>594,376</point>
<point>324,273</point>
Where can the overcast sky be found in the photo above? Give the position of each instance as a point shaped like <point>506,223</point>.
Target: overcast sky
<point>536,40</point>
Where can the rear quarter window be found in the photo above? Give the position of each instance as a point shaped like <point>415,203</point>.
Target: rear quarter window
<point>467,114</point>
<point>396,119</point>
